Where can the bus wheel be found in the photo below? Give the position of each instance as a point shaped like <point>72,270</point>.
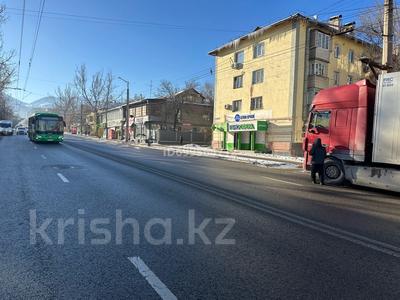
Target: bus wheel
<point>334,172</point>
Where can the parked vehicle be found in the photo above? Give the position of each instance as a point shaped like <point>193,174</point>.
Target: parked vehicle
<point>6,127</point>
<point>21,131</point>
<point>360,126</point>
<point>46,127</point>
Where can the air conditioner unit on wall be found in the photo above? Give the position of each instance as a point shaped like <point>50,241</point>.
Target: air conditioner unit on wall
<point>228,106</point>
<point>237,66</point>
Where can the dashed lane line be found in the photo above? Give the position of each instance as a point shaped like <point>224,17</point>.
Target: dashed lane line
<point>282,181</point>
<point>63,178</point>
<point>160,288</point>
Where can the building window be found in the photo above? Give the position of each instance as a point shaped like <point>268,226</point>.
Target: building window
<point>318,69</point>
<point>336,79</point>
<point>238,82</point>
<point>351,56</point>
<point>349,79</point>
<point>258,50</point>
<point>239,57</point>
<point>258,76</point>
<point>237,105</point>
<point>337,51</point>
<point>256,103</point>
<point>322,40</point>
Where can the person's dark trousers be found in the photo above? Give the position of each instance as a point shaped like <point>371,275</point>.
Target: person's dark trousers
<point>317,168</point>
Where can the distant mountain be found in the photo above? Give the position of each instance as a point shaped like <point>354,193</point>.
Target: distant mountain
<point>45,102</point>
<point>24,109</point>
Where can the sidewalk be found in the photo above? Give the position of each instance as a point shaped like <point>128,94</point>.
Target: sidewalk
<point>260,159</point>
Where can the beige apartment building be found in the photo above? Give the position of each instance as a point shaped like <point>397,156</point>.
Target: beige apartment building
<point>265,81</point>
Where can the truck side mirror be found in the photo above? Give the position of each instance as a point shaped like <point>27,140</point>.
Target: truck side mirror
<point>313,130</point>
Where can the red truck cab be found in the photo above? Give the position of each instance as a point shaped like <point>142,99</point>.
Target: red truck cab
<point>342,118</point>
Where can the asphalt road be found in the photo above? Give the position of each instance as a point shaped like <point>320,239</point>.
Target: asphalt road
<point>289,239</point>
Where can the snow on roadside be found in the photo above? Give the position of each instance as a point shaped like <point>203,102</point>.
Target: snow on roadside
<point>199,151</point>
<point>257,159</point>
<point>262,156</point>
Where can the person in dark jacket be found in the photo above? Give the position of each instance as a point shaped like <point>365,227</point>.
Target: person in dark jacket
<point>318,153</point>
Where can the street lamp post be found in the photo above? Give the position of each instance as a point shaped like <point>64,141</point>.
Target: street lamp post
<point>127,110</point>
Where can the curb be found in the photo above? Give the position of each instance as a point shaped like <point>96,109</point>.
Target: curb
<point>210,154</point>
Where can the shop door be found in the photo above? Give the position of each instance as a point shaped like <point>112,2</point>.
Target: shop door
<point>236,140</point>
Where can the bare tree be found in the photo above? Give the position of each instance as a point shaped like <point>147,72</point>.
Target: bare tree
<point>207,90</point>
<point>6,111</point>
<point>167,89</point>
<point>91,91</point>
<point>371,31</point>
<point>96,93</point>
<point>173,103</point>
<point>7,70</point>
<point>67,104</point>
<point>192,84</point>
<point>138,97</point>
<point>109,97</point>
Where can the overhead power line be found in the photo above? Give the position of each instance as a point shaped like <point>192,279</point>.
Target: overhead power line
<point>116,21</point>
<point>20,42</point>
<point>35,38</point>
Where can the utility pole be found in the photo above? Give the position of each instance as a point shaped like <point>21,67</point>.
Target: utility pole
<point>151,87</point>
<point>127,110</point>
<point>81,115</point>
<point>107,119</point>
<point>387,51</point>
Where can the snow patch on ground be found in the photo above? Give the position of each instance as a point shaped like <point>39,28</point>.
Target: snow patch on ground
<point>259,159</point>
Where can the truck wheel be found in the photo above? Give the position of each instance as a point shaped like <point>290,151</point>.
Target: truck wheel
<point>334,172</point>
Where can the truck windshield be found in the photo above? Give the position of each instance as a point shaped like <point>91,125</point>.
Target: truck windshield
<point>50,124</point>
<point>320,120</point>
<point>5,125</point>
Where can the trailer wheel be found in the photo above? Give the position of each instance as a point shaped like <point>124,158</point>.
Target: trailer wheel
<point>334,172</point>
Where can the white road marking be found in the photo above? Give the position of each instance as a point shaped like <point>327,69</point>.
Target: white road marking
<point>283,181</point>
<point>181,160</point>
<point>340,233</point>
<point>44,157</point>
<point>152,279</point>
<point>34,147</point>
<point>63,178</point>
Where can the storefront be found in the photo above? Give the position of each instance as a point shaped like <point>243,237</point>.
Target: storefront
<point>244,133</point>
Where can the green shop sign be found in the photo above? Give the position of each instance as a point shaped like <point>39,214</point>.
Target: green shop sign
<point>219,127</point>
<point>248,126</point>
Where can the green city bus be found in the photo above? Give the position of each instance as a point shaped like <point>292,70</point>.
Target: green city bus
<point>46,127</point>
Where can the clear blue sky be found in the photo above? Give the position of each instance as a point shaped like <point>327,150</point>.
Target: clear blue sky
<point>149,50</point>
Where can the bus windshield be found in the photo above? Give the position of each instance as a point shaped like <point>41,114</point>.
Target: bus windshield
<point>49,124</point>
